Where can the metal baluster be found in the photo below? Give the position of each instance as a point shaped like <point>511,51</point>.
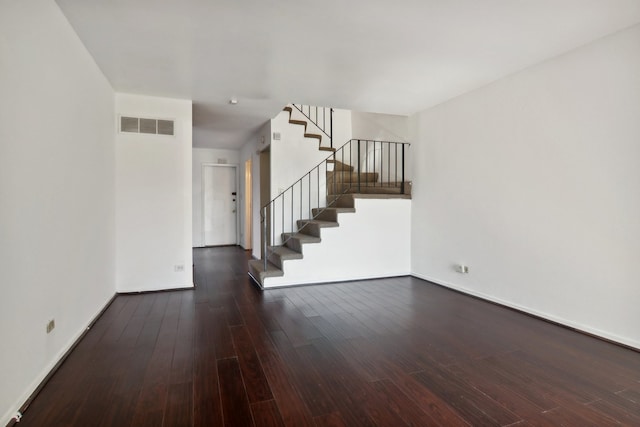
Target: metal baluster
<point>309,175</point>
<point>264,236</point>
<point>395,149</point>
<point>374,163</point>
<point>402,185</point>
<point>358,160</point>
<point>331,127</point>
<point>388,163</point>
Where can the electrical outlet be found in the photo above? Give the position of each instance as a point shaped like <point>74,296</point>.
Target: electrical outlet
<point>179,268</point>
<point>51,324</point>
<point>461,268</point>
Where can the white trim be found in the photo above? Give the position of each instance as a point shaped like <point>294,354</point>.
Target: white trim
<point>547,316</point>
<point>223,165</point>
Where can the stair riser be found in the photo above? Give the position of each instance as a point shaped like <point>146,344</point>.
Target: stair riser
<point>351,177</point>
<point>326,215</point>
<point>310,229</point>
<point>294,244</point>
<point>371,189</point>
<point>276,260</point>
<point>343,201</point>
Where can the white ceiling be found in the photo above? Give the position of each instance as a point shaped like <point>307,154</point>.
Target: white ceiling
<point>395,57</point>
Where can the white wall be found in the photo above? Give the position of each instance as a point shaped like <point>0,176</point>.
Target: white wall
<point>342,131</point>
<point>533,182</point>
<point>153,198</point>
<point>380,127</point>
<point>56,194</point>
<point>351,251</point>
<point>202,156</point>
<point>293,155</point>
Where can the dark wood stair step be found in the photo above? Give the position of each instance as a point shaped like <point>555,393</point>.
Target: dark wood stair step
<point>298,122</point>
<point>313,135</point>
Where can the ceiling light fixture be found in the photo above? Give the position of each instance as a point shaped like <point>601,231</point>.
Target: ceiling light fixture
<point>233,101</point>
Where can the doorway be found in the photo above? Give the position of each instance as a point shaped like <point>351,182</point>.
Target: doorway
<point>248,205</point>
<point>219,205</point>
<point>265,196</point>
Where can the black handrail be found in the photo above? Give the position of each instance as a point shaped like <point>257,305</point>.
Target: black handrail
<point>352,150</point>
<point>314,114</point>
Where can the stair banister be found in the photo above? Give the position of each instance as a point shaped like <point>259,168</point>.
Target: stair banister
<point>315,120</point>
<point>338,186</point>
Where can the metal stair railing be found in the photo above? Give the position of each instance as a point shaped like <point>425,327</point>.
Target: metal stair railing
<point>357,165</point>
<point>321,117</point>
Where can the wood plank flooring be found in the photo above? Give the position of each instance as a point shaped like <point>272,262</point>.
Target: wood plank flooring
<point>388,352</point>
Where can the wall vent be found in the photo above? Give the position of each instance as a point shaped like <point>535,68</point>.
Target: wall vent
<point>148,126</point>
<point>276,136</point>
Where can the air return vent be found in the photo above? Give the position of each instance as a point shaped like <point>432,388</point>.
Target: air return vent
<point>148,126</point>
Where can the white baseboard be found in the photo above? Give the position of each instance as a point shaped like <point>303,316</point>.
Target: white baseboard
<point>42,375</point>
<point>556,319</point>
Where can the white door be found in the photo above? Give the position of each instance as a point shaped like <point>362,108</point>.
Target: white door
<point>219,188</point>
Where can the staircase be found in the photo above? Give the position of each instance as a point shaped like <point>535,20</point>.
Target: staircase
<point>360,169</point>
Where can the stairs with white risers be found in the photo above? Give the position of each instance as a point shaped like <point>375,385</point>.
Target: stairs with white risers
<point>363,233</point>
<point>370,239</point>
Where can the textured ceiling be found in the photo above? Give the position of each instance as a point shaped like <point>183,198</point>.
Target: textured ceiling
<point>368,55</point>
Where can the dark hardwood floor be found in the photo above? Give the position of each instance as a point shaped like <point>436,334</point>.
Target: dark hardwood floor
<point>388,352</point>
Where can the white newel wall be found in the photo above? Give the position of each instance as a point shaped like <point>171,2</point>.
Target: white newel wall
<point>153,203</point>
<point>533,182</point>
<point>57,194</point>
<point>353,250</point>
<point>202,156</point>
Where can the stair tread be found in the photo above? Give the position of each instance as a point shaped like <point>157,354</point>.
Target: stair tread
<point>319,222</point>
<point>285,253</point>
<point>304,238</point>
<point>337,209</point>
<point>327,149</point>
<point>380,196</point>
<point>297,122</point>
<point>258,266</point>
<point>312,135</point>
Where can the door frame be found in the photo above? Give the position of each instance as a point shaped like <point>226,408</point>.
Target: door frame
<point>237,181</point>
<point>248,204</point>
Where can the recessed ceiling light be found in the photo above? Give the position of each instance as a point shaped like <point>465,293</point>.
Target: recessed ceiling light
<point>233,101</point>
